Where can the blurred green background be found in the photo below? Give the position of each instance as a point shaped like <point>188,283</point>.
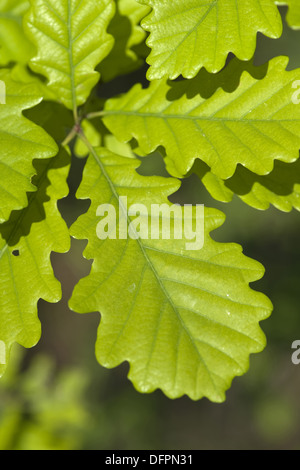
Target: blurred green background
<point>56,396</point>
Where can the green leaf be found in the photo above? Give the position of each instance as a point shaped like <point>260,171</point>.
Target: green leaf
<point>186,35</point>
<point>293,15</point>
<point>71,40</point>
<point>127,34</point>
<point>26,242</point>
<point>186,321</point>
<point>281,187</point>
<point>21,143</point>
<point>14,45</point>
<point>253,125</point>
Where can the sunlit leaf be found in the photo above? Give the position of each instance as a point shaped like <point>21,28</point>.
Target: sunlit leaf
<point>253,125</point>
<point>71,40</point>
<point>186,35</point>
<point>21,143</point>
<point>26,242</point>
<point>280,188</point>
<point>186,321</point>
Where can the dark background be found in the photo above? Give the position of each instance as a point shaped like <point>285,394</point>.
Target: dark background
<point>56,396</point>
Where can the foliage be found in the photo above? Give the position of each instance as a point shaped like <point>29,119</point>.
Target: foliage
<point>186,321</point>
<point>41,410</point>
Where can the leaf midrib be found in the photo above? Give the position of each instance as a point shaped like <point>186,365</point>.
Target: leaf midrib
<point>188,117</point>
<point>71,64</point>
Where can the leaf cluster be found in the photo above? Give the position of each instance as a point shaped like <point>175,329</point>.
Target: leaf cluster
<point>186,321</point>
